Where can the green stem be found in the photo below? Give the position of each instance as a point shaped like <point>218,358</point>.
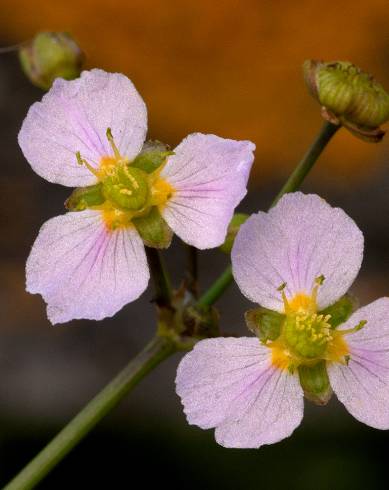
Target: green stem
<point>309,159</point>
<point>217,289</point>
<point>155,352</point>
<point>162,284</point>
<point>292,184</point>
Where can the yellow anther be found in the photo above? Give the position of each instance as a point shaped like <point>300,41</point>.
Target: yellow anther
<point>126,191</point>
<point>131,178</point>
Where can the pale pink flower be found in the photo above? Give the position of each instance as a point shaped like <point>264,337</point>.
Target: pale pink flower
<point>89,264</point>
<point>250,391</point>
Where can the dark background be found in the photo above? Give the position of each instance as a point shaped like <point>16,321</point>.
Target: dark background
<point>233,69</point>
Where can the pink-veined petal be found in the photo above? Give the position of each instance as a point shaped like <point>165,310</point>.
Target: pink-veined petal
<point>209,175</point>
<point>297,241</point>
<point>363,385</point>
<point>74,116</point>
<point>82,270</point>
<point>230,384</point>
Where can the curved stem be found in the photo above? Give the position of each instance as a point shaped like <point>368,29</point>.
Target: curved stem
<point>217,289</point>
<point>155,352</point>
<point>292,184</point>
<point>309,159</point>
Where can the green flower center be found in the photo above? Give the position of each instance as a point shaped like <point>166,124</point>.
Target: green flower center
<point>127,188</point>
<point>307,335</point>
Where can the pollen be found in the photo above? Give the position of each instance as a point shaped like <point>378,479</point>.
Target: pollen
<point>338,350</point>
<point>280,356</point>
<point>126,191</point>
<point>302,302</point>
<point>107,167</point>
<point>161,193</point>
<point>115,218</point>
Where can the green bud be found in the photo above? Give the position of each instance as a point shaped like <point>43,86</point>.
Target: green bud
<point>127,188</point>
<point>152,156</point>
<point>237,220</point>
<point>341,310</point>
<point>153,229</point>
<point>348,96</point>
<point>85,197</point>
<point>315,383</point>
<point>51,55</point>
<point>265,324</point>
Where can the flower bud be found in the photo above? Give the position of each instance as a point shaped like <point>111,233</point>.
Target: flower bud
<point>315,383</point>
<point>237,220</point>
<point>348,96</point>
<point>50,55</point>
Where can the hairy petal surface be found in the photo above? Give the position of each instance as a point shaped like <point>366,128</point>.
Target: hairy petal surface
<point>363,385</point>
<point>230,384</point>
<point>209,175</point>
<point>74,116</point>
<point>298,240</point>
<point>82,270</point>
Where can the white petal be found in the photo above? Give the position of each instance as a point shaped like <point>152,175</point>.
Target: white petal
<point>82,270</point>
<point>298,240</point>
<point>231,384</point>
<point>74,116</point>
<point>363,385</point>
<point>209,175</point>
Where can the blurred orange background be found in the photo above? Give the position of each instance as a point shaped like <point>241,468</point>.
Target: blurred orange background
<point>232,67</point>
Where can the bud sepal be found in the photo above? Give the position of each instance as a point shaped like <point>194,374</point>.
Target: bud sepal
<point>315,383</point>
<point>152,156</point>
<point>85,197</point>
<point>341,311</point>
<point>153,229</point>
<point>265,324</point>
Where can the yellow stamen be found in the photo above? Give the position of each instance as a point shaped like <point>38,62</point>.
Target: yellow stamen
<point>81,161</point>
<point>134,183</point>
<point>115,150</point>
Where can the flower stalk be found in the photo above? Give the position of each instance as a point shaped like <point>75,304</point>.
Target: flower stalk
<point>160,276</point>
